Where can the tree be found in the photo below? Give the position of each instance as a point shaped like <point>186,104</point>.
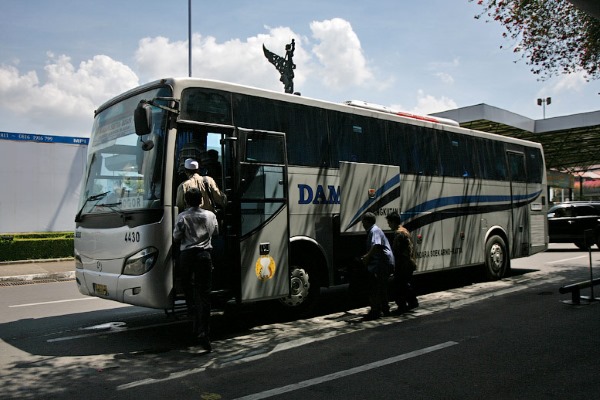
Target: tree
<point>553,35</point>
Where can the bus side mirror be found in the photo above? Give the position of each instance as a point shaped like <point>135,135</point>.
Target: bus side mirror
<point>142,118</point>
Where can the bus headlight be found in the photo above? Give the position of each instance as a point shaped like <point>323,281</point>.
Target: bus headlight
<point>141,262</point>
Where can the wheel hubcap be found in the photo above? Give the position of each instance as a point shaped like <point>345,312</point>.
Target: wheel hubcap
<point>299,287</point>
<point>496,256</point>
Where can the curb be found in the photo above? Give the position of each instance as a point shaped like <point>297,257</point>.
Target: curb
<point>33,278</point>
<point>45,260</point>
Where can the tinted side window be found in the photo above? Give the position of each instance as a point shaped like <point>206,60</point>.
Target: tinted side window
<point>516,162</point>
<point>459,155</point>
<point>585,211</point>
<point>535,165</point>
<point>414,149</point>
<point>491,157</point>
<point>305,127</point>
<point>357,139</point>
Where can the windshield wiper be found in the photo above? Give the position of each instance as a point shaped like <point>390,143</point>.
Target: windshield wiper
<point>111,207</point>
<point>95,197</point>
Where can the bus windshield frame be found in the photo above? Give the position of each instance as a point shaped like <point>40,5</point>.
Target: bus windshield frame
<point>121,176</point>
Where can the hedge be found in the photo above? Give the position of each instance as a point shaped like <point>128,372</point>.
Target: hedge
<point>36,246</point>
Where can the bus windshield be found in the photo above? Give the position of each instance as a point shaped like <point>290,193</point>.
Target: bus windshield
<point>121,175</point>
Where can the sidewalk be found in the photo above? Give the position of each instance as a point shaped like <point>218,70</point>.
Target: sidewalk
<point>11,271</point>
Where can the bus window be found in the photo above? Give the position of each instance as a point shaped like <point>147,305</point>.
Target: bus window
<point>305,127</point>
<point>535,165</point>
<point>357,139</point>
<point>490,156</point>
<point>265,149</point>
<point>421,150</point>
<point>458,155</point>
<point>516,162</point>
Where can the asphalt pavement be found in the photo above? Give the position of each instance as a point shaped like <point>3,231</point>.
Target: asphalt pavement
<point>31,270</point>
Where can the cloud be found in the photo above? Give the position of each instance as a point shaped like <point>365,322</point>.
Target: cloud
<point>435,65</point>
<point>236,60</point>
<point>441,68</point>
<point>444,77</point>
<point>62,103</point>
<point>573,82</point>
<point>60,99</point>
<point>335,60</point>
<point>340,54</point>
<point>428,104</point>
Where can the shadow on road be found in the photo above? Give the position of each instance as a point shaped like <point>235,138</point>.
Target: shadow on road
<point>135,330</point>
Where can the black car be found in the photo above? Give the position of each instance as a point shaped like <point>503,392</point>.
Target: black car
<point>567,223</point>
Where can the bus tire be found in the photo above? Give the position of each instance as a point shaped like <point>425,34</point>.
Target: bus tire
<point>496,258</point>
<point>304,291</point>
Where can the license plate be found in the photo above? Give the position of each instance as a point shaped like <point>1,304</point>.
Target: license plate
<point>100,289</point>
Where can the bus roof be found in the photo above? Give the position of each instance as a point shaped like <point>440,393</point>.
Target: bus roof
<point>377,107</point>
<point>353,106</point>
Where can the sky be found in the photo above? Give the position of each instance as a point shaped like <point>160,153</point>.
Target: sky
<point>61,59</point>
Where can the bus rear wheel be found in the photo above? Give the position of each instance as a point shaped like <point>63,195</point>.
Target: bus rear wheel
<point>496,258</point>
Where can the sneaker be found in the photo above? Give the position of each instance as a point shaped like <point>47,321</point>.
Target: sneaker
<point>371,316</point>
<point>413,304</point>
<point>400,310</point>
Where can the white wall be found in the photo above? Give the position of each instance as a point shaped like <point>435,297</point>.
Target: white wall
<point>40,181</point>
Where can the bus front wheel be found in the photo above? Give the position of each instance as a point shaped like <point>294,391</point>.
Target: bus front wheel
<point>496,258</point>
<point>304,291</point>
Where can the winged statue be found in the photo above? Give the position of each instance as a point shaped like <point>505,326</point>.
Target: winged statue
<point>284,65</point>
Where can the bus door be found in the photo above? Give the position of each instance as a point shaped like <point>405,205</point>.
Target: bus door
<point>262,208</point>
<point>367,187</point>
<point>519,229</point>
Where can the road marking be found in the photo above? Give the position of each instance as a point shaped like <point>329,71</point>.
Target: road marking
<point>52,302</point>
<point>565,259</point>
<point>110,330</point>
<point>149,381</point>
<point>345,373</point>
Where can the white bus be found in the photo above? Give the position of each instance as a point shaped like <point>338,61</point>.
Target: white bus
<point>299,174</point>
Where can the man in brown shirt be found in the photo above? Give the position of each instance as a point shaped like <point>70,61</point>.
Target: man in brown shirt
<point>211,193</point>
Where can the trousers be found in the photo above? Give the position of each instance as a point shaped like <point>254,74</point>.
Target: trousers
<point>196,272</point>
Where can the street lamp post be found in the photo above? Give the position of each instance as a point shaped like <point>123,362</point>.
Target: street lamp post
<point>190,38</point>
<point>543,102</point>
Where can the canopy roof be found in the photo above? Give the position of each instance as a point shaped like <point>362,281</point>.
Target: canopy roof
<point>571,143</point>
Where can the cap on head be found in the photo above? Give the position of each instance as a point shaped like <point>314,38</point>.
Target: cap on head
<point>190,163</point>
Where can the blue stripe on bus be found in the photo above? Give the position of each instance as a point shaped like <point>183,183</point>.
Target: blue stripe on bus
<point>466,200</point>
<point>475,204</point>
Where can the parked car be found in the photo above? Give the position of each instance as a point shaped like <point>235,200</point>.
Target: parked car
<point>567,223</point>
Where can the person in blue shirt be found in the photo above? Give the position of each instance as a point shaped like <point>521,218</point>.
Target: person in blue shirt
<point>379,261</point>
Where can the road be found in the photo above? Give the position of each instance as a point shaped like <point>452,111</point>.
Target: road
<point>470,339</point>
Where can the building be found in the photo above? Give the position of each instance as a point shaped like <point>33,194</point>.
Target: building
<point>41,181</point>
<point>570,142</point>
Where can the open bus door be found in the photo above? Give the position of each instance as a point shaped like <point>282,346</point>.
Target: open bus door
<point>367,187</point>
<point>260,227</point>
